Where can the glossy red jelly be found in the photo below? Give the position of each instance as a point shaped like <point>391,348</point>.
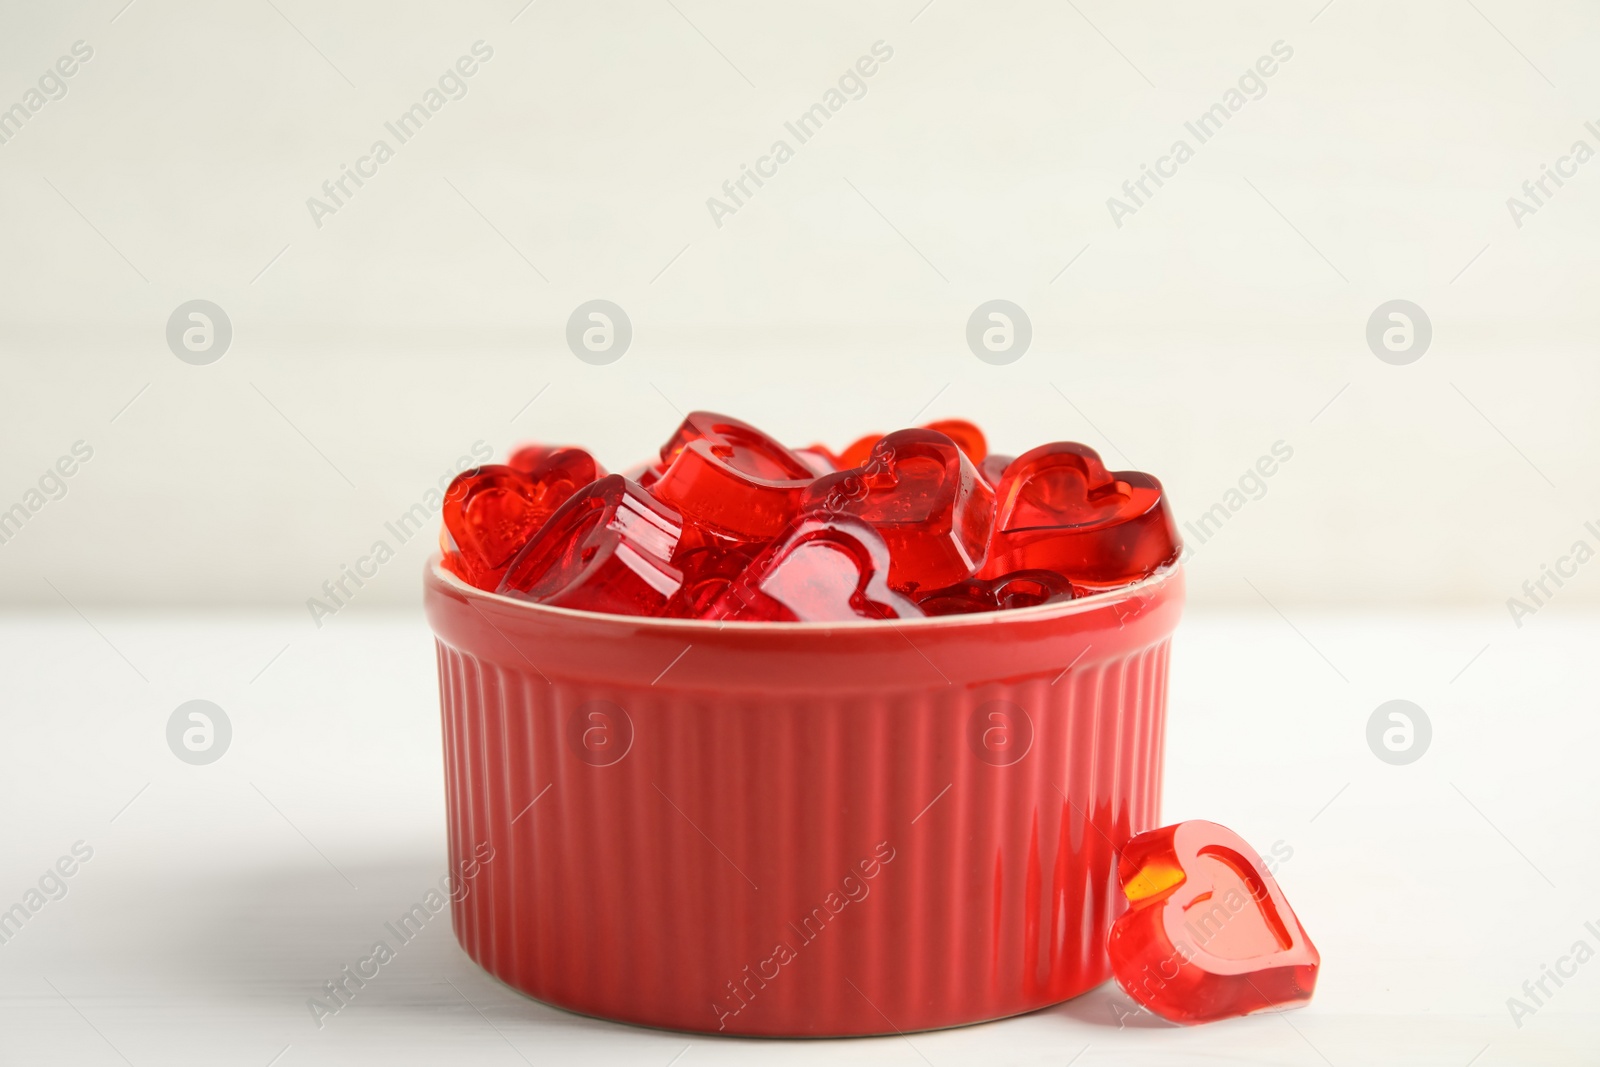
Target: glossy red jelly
<point>821,568</point>
<point>731,478</point>
<point>856,453</point>
<point>1059,509</point>
<point>993,469</point>
<point>963,530</point>
<point>1207,934</point>
<point>609,548</point>
<point>967,437</point>
<point>709,565</point>
<point>490,512</point>
<point>922,494</point>
<point>577,465</point>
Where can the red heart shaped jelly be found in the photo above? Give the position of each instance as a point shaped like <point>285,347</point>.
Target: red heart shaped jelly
<point>858,451</point>
<point>1207,934</point>
<point>490,512</point>
<point>709,565</point>
<point>1060,510</point>
<point>993,469</point>
<point>730,477</point>
<point>540,460</point>
<point>922,494</point>
<point>967,437</point>
<point>609,548</point>
<point>821,568</point>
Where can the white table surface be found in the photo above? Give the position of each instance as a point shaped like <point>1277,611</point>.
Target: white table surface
<point>219,898</point>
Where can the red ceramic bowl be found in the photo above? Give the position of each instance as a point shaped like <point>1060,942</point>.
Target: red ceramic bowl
<point>804,829</point>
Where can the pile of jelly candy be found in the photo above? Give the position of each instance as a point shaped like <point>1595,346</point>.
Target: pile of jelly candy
<point>729,524</point>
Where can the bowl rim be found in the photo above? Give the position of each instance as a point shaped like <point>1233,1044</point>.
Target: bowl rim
<point>1153,583</point>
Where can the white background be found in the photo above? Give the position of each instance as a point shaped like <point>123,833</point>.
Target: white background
<point>368,354</point>
<point>1184,343</point>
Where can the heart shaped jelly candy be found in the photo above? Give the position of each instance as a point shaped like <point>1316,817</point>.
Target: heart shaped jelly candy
<point>1060,510</point>
<point>643,475</point>
<point>1207,934</point>
<point>540,460</point>
<point>967,437</point>
<point>609,548</point>
<point>730,477</point>
<point>922,494</point>
<point>821,568</point>
<point>993,469</point>
<point>965,530</point>
<point>490,512</point>
<point>858,451</point>
<point>709,565</point>
<point>1022,589</point>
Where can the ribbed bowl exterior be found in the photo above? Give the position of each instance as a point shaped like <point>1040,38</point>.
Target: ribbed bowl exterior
<point>801,830</point>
